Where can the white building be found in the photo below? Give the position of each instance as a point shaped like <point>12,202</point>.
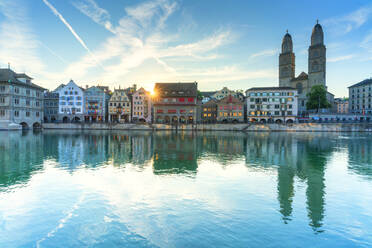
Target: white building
<point>21,101</point>
<point>71,103</point>
<point>272,104</point>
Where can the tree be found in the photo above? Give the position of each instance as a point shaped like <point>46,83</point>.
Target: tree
<point>317,98</point>
<point>200,95</point>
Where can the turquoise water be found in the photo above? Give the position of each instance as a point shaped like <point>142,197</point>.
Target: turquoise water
<point>139,189</point>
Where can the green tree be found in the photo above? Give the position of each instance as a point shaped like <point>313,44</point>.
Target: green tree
<point>200,95</point>
<point>317,98</point>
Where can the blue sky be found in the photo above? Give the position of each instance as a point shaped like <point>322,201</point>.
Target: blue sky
<point>216,43</point>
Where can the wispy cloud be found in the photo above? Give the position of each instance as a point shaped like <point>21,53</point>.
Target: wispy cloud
<point>340,58</point>
<point>140,37</point>
<point>80,40</point>
<point>99,15</point>
<point>18,43</point>
<point>265,53</point>
<point>345,24</point>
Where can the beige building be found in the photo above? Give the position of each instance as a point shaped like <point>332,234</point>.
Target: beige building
<point>224,92</point>
<point>342,105</point>
<point>230,109</point>
<point>21,101</point>
<point>272,104</point>
<point>141,106</point>
<point>120,107</point>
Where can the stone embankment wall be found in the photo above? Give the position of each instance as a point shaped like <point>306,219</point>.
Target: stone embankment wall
<point>303,127</point>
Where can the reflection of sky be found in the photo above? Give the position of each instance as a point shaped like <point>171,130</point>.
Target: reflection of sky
<point>222,204</point>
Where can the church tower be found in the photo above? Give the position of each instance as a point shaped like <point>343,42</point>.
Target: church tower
<point>317,57</point>
<point>286,62</point>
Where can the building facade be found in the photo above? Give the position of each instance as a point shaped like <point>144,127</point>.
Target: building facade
<point>96,104</point>
<point>51,106</point>
<point>120,107</point>
<point>209,112</point>
<point>21,101</point>
<point>316,67</point>
<point>341,105</point>
<point>360,97</point>
<point>272,104</point>
<point>230,109</point>
<point>224,92</point>
<point>71,103</point>
<point>175,103</point>
<point>141,106</point>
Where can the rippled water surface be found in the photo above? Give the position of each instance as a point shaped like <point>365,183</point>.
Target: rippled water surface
<point>139,189</point>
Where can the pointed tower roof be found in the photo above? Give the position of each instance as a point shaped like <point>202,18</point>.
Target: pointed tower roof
<point>317,36</point>
<point>287,44</point>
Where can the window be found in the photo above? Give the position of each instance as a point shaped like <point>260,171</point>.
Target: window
<point>2,99</point>
<point>190,99</point>
<point>2,88</point>
<point>27,102</point>
<point>37,104</point>
<point>27,92</point>
<point>182,99</point>
<point>289,112</point>
<point>16,90</point>
<point>27,114</point>
<point>2,112</point>
<point>37,114</point>
<point>16,113</point>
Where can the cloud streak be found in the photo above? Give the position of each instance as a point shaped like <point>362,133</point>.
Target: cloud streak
<point>63,20</point>
<point>265,53</point>
<point>340,58</point>
<point>99,15</point>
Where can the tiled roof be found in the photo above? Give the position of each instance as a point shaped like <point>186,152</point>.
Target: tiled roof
<point>270,88</point>
<point>176,89</point>
<point>230,99</point>
<point>210,103</point>
<point>302,76</point>
<point>364,82</point>
<point>207,93</point>
<point>7,75</point>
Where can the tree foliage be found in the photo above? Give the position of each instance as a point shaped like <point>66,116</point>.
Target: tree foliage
<point>317,98</point>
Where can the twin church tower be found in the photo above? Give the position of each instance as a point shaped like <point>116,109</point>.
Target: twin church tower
<point>316,64</point>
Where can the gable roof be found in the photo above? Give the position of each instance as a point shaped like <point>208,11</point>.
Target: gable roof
<point>176,89</point>
<point>230,99</point>
<point>270,88</point>
<point>9,76</point>
<point>364,82</point>
<point>302,76</point>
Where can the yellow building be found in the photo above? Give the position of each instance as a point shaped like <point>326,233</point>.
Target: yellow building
<point>120,107</point>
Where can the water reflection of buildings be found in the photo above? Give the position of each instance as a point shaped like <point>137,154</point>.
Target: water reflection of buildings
<point>21,155</point>
<point>175,153</point>
<point>359,155</point>
<point>130,147</point>
<point>295,155</point>
<point>298,155</point>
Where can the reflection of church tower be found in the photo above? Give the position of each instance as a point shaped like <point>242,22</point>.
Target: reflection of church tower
<point>286,62</point>
<point>317,57</point>
<point>285,190</point>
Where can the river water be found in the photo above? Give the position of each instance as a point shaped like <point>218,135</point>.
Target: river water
<point>166,189</point>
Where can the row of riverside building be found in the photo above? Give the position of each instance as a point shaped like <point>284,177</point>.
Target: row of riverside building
<point>23,103</point>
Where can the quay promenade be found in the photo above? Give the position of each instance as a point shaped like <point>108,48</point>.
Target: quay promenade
<point>296,127</point>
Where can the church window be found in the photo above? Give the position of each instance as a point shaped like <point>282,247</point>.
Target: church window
<point>299,88</point>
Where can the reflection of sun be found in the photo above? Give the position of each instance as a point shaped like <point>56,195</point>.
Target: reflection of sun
<point>153,93</point>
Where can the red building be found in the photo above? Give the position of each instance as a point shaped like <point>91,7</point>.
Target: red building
<point>175,103</point>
